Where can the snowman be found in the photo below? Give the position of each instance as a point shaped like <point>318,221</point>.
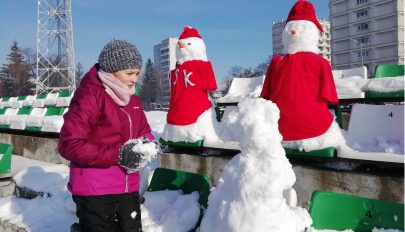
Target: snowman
<point>301,84</point>
<point>255,190</point>
<point>191,116</point>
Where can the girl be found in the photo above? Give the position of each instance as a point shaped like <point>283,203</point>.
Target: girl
<point>103,114</point>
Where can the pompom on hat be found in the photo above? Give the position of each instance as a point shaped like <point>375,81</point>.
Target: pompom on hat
<point>304,10</point>
<point>119,55</point>
<point>189,32</point>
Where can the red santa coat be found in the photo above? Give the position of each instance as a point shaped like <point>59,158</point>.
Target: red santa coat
<point>189,84</point>
<point>301,85</point>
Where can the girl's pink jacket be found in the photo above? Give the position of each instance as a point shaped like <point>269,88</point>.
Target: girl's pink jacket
<point>94,129</point>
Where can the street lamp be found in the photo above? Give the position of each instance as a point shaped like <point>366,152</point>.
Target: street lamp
<point>361,49</point>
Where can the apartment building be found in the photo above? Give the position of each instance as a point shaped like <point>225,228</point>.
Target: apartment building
<point>366,32</point>
<point>164,61</point>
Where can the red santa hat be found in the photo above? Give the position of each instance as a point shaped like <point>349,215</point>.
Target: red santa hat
<point>304,10</point>
<point>189,32</point>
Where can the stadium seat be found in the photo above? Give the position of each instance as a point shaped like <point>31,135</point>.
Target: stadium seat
<point>29,100</point>
<point>19,121</point>
<point>34,121</point>
<point>335,211</point>
<point>243,88</point>
<point>387,70</point>
<point>196,144</point>
<point>5,160</point>
<point>39,100</point>
<point>170,179</point>
<point>345,81</point>
<point>64,99</point>
<point>53,119</point>
<point>5,117</point>
<point>370,124</point>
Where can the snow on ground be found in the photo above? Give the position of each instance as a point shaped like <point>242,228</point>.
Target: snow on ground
<point>53,213</point>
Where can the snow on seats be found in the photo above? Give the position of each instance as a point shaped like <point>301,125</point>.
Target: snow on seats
<point>349,82</point>
<point>243,88</point>
<point>376,132</point>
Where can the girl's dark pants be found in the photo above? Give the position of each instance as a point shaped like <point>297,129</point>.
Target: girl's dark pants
<point>109,213</point>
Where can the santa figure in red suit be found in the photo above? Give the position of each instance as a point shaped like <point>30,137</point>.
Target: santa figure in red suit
<point>300,82</point>
<point>191,115</point>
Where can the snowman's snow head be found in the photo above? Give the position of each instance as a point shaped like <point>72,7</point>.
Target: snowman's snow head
<point>300,36</point>
<point>301,32</point>
<point>190,46</point>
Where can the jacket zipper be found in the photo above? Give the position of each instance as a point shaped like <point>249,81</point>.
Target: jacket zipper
<point>130,137</point>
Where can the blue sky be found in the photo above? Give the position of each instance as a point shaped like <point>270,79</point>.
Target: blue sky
<point>236,32</point>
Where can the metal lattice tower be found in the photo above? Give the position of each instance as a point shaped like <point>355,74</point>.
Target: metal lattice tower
<point>55,53</point>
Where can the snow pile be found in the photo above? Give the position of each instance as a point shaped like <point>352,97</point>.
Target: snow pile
<point>170,211</point>
<point>350,85</point>
<point>357,84</point>
<point>380,144</point>
<point>54,211</point>
<point>28,100</point>
<point>52,123</point>
<point>64,101</point>
<point>386,230</point>
<point>386,84</point>
<point>18,122</point>
<point>249,195</point>
<point>5,119</point>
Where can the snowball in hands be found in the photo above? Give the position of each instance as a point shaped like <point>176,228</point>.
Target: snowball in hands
<point>136,153</point>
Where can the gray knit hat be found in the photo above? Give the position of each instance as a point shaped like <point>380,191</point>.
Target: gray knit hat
<point>118,55</point>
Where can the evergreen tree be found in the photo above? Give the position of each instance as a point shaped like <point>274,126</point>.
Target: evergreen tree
<point>79,73</point>
<point>15,74</point>
<point>149,86</point>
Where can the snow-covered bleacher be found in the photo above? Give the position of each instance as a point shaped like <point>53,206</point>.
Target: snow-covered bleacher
<point>42,112</point>
<point>376,132</point>
<point>243,88</point>
<point>349,82</point>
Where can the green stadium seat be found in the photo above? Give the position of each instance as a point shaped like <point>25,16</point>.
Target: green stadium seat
<point>34,121</point>
<point>5,160</point>
<point>196,144</point>
<point>63,99</point>
<point>335,211</point>
<point>19,121</point>
<point>5,117</point>
<point>326,152</point>
<point>387,70</point>
<point>65,94</point>
<point>170,179</point>
<point>39,100</point>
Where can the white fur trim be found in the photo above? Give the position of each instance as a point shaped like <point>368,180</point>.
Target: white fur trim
<point>194,50</point>
<point>305,40</point>
<point>333,137</point>
<point>203,128</point>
